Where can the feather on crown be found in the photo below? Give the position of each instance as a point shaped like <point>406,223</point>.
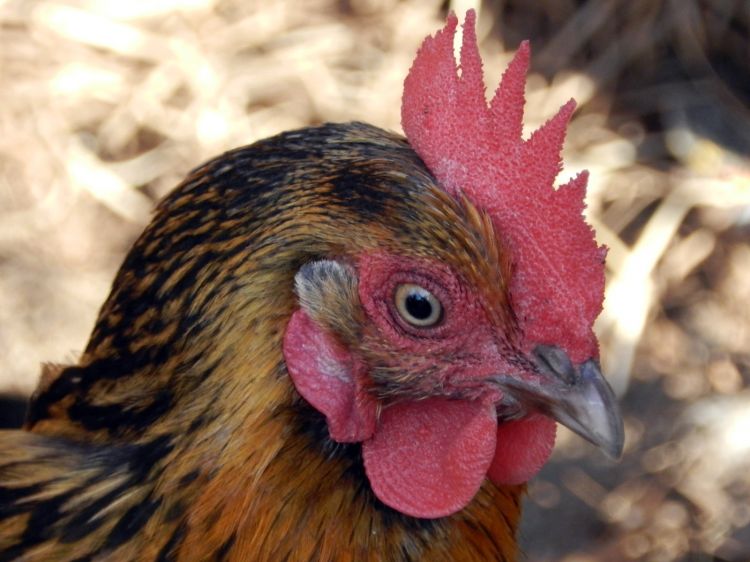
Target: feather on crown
<point>478,150</point>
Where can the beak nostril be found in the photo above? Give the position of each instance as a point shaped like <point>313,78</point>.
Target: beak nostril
<point>554,361</point>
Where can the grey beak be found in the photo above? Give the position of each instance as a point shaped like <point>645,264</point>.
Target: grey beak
<point>578,397</point>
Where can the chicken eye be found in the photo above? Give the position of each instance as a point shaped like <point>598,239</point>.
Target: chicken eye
<point>418,306</point>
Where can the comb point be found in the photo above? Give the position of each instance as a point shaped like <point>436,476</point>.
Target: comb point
<point>506,107</point>
<point>471,63</point>
<point>541,152</point>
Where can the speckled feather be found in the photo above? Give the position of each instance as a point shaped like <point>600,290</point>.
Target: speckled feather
<point>178,436</point>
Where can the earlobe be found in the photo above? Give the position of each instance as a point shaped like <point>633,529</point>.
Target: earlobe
<point>329,378</point>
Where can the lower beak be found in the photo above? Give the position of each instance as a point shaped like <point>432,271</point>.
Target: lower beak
<point>578,397</point>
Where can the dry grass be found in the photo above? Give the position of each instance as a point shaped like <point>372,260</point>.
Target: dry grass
<point>105,105</point>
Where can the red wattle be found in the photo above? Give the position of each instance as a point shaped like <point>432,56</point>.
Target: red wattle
<point>523,446</point>
<point>428,458</point>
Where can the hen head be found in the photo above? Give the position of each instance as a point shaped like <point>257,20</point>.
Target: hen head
<point>445,296</point>
<point>450,350</point>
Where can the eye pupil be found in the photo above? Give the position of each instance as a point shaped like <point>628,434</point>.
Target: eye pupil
<point>418,306</point>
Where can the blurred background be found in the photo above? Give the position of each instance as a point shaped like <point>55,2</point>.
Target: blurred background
<point>105,105</point>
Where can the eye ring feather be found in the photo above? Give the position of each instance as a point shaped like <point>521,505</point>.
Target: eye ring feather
<point>417,306</point>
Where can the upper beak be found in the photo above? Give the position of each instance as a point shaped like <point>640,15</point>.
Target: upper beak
<point>578,397</point>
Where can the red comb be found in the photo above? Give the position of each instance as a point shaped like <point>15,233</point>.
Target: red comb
<point>477,149</point>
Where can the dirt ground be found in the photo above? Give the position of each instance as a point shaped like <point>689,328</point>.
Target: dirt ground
<point>105,105</point>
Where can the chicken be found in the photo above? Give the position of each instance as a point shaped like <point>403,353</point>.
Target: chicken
<point>333,344</point>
